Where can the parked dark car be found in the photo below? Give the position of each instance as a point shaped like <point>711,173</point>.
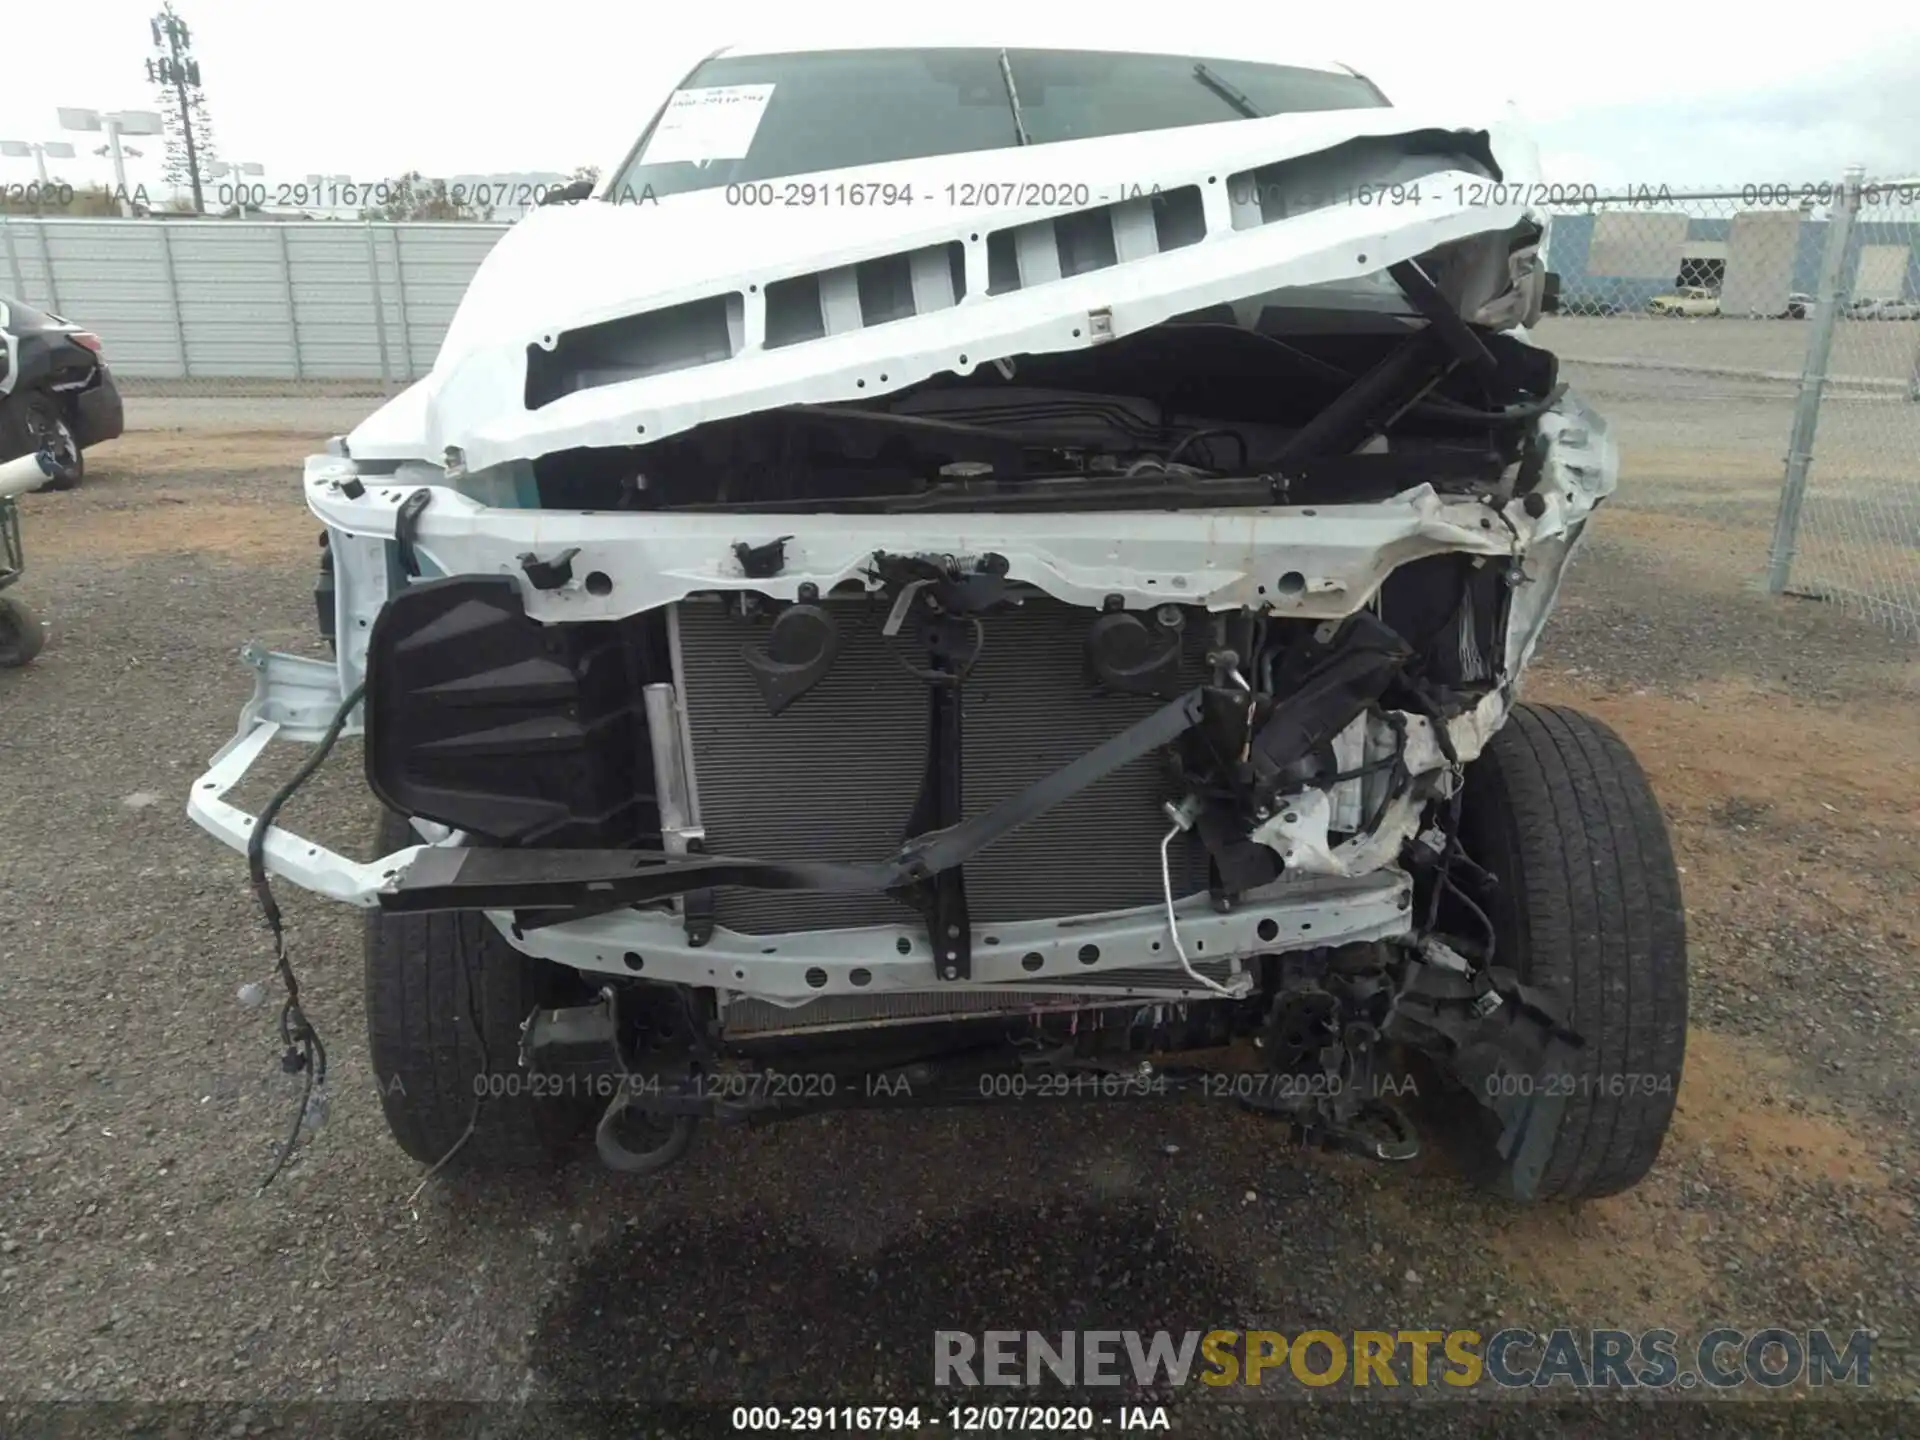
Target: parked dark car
<point>56,390</point>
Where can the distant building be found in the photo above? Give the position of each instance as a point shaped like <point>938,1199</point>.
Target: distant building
<point>1753,259</point>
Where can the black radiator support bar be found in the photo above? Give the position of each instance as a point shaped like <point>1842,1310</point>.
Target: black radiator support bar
<point>941,897</point>
<point>563,884</point>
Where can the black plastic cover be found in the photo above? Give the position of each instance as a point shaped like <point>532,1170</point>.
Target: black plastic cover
<point>484,719</point>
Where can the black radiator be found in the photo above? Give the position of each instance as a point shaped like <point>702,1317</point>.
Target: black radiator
<point>835,776</point>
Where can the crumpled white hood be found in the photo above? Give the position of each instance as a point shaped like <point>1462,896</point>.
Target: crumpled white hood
<point>569,266</point>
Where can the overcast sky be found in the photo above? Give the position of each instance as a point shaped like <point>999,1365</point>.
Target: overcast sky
<point>1632,92</point>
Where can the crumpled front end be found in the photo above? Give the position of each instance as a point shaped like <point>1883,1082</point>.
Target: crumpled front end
<point>994,612</point>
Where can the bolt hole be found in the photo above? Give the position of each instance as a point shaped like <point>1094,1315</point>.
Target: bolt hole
<point>1306,925</point>
<point>753,289</point>
<point>1291,583</point>
<point>1089,954</point>
<point>633,960</point>
<point>963,359</point>
<point>1198,946</point>
<point>860,976</point>
<point>1291,818</point>
<point>1156,947</point>
<point>639,429</point>
<point>739,974</point>
<point>859,384</point>
<point>599,583</point>
<point>1269,929</point>
<point>1031,960</point>
<point>990,940</point>
<point>1076,334</point>
<point>903,945</point>
<point>817,978</point>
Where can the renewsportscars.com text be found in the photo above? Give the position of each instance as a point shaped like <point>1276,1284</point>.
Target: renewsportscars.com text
<point>1459,1359</point>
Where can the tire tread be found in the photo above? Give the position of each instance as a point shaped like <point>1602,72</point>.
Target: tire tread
<point>429,977</point>
<point>1597,914</point>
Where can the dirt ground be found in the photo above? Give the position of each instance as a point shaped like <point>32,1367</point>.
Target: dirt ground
<point>810,1262</point>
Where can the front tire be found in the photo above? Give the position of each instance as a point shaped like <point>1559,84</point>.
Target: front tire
<point>1586,904</point>
<point>446,996</point>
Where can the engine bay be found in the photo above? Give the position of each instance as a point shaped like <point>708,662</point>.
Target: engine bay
<point>1301,406</point>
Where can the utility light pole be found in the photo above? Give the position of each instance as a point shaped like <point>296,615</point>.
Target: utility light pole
<point>239,190</point>
<point>116,123</point>
<point>21,149</point>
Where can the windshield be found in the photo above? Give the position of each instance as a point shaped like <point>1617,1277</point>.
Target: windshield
<point>760,117</point>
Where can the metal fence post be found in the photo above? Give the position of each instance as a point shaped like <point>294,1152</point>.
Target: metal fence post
<point>173,297</point>
<point>379,309</point>
<point>13,259</point>
<point>1813,380</point>
<point>400,285</point>
<point>46,263</point>
<point>293,305</point>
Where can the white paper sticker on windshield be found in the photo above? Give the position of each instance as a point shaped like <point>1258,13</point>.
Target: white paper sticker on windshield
<point>716,122</point>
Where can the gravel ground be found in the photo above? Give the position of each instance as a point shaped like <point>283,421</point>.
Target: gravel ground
<point>1872,352</point>
<point>139,1103</point>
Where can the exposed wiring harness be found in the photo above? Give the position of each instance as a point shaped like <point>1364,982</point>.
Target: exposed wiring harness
<point>304,1055</point>
<point>1443,881</point>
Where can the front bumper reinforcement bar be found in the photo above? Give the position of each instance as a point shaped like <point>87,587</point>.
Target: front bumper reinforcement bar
<point>1116,953</point>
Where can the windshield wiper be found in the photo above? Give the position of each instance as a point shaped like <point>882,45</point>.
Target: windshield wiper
<point>1226,92</point>
<point>1013,99</point>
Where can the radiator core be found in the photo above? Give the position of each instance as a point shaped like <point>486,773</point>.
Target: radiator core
<point>836,775</point>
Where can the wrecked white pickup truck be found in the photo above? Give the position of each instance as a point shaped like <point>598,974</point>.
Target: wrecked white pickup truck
<point>972,574</point>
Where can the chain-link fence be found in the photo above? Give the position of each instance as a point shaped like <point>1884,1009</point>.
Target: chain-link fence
<point>1849,518</point>
<point>1721,331</point>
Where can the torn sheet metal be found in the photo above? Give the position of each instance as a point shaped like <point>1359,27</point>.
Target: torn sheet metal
<point>564,268</point>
